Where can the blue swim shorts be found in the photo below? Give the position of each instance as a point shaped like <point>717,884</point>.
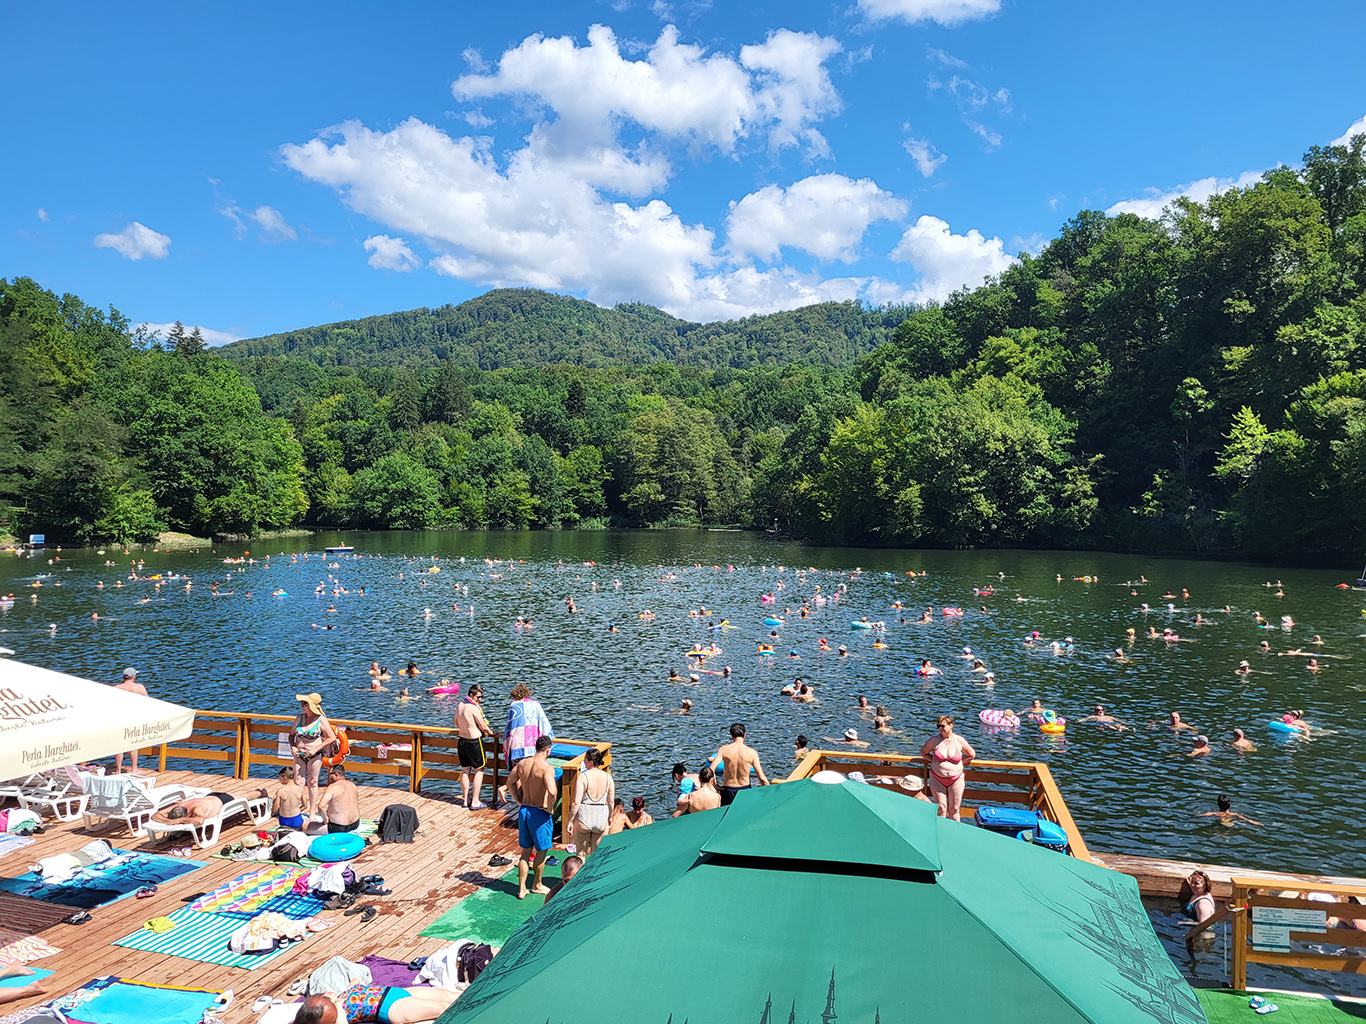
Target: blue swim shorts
<point>535,829</point>
<point>297,821</point>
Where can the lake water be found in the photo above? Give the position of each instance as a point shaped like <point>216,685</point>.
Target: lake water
<point>1134,791</point>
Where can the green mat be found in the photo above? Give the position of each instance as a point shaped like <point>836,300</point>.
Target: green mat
<point>492,913</point>
<point>367,828</point>
<point>1225,1006</point>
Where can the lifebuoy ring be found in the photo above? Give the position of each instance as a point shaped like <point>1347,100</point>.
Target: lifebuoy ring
<point>343,748</point>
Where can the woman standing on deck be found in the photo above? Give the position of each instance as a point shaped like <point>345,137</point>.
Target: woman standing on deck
<point>310,740</point>
<point>593,798</point>
<point>949,757</point>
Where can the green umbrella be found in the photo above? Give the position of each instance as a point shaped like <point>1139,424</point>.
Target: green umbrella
<point>831,901</point>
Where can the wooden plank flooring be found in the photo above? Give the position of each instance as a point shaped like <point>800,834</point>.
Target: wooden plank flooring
<point>1157,877</point>
<point>446,863</point>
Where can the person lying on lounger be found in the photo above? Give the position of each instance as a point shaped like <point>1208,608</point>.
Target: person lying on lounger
<point>194,811</point>
<point>375,1004</point>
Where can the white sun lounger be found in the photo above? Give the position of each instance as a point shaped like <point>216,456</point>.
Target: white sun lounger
<point>205,833</point>
<point>60,793</point>
<point>123,801</point>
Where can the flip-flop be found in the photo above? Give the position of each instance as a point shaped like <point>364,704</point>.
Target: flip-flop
<point>146,892</point>
<point>1268,1008</point>
<point>355,910</point>
<point>223,1000</point>
<point>369,914</point>
<point>194,896</point>
<point>478,807</point>
<point>262,1003</point>
<point>298,987</point>
<point>552,861</point>
<point>1256,1001</point>
<point>80,917</point>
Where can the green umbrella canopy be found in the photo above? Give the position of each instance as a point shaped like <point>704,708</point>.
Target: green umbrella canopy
<point>813,901</point>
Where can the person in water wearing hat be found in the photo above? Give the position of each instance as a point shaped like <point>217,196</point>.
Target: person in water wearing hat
<point>310,740</point>
<point>130,684</point>
<point>850,739</point>
<point>1200,747</point>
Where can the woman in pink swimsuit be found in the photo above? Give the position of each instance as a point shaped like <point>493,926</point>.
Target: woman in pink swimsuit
<point>949,755</point>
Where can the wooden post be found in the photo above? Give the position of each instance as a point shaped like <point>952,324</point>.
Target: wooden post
<point>415,772</point>
<point>1240,934</point>
<point>161,768</point>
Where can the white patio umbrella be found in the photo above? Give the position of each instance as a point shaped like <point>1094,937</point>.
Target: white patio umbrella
<point>50,719</point>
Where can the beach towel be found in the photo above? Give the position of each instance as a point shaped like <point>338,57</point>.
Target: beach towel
<point>28,916</point>
<point>248,892</point>
<point>21,951</point>
<point>10,842</point>
<point>492,913</point>
<point>126,1001</point>
<point>199,936</point>
<point>527,722</point>
<point>121,875</point>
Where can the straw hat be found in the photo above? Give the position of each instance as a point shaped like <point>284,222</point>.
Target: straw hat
<point>313,700</point>
<point>851,734</point>
<point>914,783</point>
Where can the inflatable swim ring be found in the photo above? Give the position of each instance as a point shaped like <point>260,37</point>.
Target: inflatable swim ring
<point>1277,725</point>
<point>860,625</point>
<point>1003,719</point>
<point>343,748</point>
<point>449,688</point>
<point>336,846</point>
<point>1055,726</point>
<point>773,622</point>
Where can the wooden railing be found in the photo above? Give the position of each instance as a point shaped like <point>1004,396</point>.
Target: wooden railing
<point>414,753</point>
<point>1288,919</point>
<point>1028,784</point>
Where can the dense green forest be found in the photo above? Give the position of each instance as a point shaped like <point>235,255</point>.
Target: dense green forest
<point>1192,384</point>
<point>526,327</point>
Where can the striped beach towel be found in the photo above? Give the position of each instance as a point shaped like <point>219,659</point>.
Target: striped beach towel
<point>21,951</point>
<point>246,894</point>
<point>199,936</point>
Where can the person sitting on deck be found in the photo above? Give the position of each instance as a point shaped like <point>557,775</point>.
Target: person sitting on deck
<point>375,1004</point>
<point>340,803</point>
<point>568,870</point>
<point>290,800</point>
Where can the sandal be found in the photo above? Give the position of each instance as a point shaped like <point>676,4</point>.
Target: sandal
<point>80,917</point>
<point>146,892</point>
<point>298,987</point>
<point>499,861</point>
<point>356,910</point>
<point>1268,1008</point>
<point>370,913</point>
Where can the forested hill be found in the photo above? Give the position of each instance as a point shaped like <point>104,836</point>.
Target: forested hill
<point>527,327</point>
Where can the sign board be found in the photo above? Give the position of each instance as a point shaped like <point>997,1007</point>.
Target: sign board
<point>1271,926</point>
<point>37,538</point>
<point>1302,920</point>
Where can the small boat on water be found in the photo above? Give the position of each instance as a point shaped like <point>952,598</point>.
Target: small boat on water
<point>339,549</point>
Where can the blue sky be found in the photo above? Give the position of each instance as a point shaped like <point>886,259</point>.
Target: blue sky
<point>257,168</point>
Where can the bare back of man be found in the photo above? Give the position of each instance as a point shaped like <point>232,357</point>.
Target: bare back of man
<point>196,810</point>
<point>738,760</point>
<point>340,804</point>
<point>130,684</point>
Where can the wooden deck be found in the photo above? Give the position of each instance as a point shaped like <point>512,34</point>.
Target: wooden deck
<point>446,862</point>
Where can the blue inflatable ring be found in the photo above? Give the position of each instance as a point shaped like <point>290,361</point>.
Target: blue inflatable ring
<point>1279,726</point>
<point>336,846</point>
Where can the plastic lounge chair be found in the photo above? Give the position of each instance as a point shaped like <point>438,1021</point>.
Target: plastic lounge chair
<point>132,806</point>
<point>205,833</point>
<point>14,787</point>
<point>61,794</point>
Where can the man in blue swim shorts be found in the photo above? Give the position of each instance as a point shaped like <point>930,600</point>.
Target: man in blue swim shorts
<point>532,784</point>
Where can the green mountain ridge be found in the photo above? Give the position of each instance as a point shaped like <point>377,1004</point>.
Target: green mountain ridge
<point>528,327</point>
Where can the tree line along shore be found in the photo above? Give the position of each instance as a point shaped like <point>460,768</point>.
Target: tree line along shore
<point>1194,384</point>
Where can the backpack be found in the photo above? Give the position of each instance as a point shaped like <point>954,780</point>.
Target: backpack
<point>472,959</point>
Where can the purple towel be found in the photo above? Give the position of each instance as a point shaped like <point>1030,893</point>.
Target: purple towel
<point>393,973</point>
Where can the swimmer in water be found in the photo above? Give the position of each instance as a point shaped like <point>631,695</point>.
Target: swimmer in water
<point>1200,747</point>
<point>1226,814</point>
<point>1174,723</point>
<point>1036,710</point>
<point>374,669</point>
<point>673,675</point>
<point>1119,656</point>
<point>1240,741</point>
<point>1243,668</point>
<point>1105,721</point>
<point>377,687</point>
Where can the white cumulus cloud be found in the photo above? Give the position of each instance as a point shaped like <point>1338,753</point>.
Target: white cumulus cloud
<point>927,158</point>
<point>1155,201</point>
<point>272,222</point>
<point>1358,128</point>
<point>211,337</point>
<point>42,214</point>
<point>135,241</point>
<point>391,254</point>
<point>947,261</point>
<point>678,90</point>
<point>825,215</point>
<point>945,12</point>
